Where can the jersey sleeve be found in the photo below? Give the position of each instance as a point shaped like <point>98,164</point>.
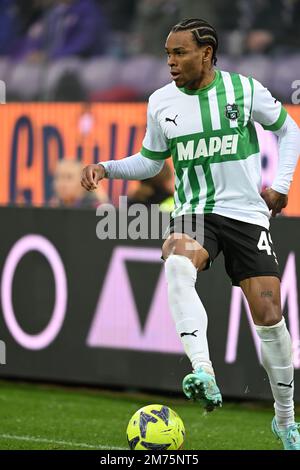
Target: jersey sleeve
<point>155,145</point>
<point>266,110</point>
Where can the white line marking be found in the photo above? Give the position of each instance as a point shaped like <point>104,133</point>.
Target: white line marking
<point>62,443</point>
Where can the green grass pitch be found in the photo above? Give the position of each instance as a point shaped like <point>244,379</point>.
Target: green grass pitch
<point>47,417</point>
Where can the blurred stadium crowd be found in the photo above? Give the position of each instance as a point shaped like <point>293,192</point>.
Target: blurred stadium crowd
<point>103,50</point>
<point>90,51</point>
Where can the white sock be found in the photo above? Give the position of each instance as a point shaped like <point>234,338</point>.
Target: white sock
<point>277,359</point>
<point>187,310</point>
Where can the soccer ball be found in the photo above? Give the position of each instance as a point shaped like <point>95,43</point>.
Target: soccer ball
<point>155,427</point>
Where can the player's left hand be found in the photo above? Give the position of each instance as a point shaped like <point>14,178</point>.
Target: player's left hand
<point>274,200</point>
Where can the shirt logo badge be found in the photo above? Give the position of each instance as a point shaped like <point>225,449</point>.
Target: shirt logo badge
<point>232,111</point>
<point>172,120</point>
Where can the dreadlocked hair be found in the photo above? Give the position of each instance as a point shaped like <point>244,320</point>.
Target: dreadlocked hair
<point>202,31</point>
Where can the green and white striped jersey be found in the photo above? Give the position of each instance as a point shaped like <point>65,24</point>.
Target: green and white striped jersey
<point>212,139</point>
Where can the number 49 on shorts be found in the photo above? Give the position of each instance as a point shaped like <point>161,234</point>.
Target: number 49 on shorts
<point>265,242</point>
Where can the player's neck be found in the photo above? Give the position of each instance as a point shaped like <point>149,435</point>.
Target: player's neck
<point>204,81</point>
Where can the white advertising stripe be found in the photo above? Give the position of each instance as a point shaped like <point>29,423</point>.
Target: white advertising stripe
<point>230,97</point>
<point>214,109</point>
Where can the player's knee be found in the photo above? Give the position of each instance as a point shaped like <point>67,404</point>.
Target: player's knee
<point>270,313</point>
<point>173,246</point>
<point>271,320</point>
<point>180,272</point>
<point>187,248</point>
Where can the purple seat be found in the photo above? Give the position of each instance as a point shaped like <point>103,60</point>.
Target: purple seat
<point>26,80</point>
<point>140,73</point>
<point>256,66</point>
<point>100,73</point>
<point>286,70</point>
<point>56,70</point>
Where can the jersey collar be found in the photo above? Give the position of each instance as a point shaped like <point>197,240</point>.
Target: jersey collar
<point>199,91</point>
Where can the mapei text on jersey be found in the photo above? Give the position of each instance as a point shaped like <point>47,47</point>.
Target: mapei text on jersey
<point>225,145</point>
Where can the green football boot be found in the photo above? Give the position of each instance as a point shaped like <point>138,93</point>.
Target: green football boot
<point>201,386</point>
<point>290,436</point>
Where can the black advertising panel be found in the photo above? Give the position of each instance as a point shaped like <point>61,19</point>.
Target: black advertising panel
<point>77,309</point>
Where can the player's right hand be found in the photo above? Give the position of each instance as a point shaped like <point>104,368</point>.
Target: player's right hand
<point>274,200</point>
<point>91,175</point>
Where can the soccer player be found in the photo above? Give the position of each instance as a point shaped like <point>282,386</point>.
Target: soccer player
<point>204,119</point>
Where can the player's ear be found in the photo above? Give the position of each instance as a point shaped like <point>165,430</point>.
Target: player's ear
<point>207,54</point>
